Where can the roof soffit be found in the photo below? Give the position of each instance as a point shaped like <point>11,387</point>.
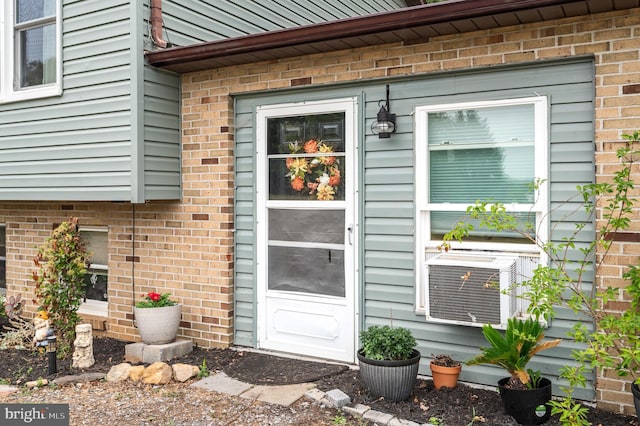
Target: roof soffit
<point>411,23</point>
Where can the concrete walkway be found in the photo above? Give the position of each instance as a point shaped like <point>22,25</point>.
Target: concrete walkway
<point>282,395</point>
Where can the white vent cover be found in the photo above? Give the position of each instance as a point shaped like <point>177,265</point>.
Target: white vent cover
<point>471,289</point>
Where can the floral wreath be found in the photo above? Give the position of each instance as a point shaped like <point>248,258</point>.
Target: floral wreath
<point>320,175</point>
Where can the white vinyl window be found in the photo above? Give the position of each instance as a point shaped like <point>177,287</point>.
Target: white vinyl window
<point>96,278</point>
<point>30,49</point>
<point>3,259</point>
<point>480,151</point>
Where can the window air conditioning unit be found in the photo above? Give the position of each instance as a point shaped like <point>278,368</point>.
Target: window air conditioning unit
<point>471,289</point>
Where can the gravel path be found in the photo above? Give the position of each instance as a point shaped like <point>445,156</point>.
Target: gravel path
<point>175,404</point>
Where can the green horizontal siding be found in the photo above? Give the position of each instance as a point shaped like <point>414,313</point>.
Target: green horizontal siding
<point>204,20</point>
<point>387,208</point>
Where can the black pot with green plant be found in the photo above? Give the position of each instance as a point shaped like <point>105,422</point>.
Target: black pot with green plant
<point>388,362</point>
<point>524,393</point>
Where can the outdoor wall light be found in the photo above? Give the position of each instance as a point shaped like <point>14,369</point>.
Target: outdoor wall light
<point>386,122</point>
<point>52,367</point>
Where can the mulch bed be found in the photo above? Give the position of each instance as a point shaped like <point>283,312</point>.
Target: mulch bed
<point>263,369</point>
<point>455,407</point>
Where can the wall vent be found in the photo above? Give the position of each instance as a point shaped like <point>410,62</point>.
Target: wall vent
<point>471,289</point>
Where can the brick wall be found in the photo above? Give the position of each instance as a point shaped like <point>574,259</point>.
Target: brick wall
<point>186,247</point>
<point>612,38</point>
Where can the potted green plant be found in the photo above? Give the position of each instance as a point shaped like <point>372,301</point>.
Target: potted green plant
<point>388,361</point>
<point>444,371</point>
<point>157,318</point>
<point>524,393</point>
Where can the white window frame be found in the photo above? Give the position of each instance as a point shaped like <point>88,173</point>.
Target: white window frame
<point>424,243</point>
<point>91,306</point>
<point>9,74</point>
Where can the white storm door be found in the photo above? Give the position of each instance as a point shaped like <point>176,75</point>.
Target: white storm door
<point>306,230</point>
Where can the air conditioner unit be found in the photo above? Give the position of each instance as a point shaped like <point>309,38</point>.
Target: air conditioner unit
<point>471,289</point>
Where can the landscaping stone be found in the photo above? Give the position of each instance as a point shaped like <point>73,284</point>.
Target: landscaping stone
<point>83,347</point>
<point>357,410</point>
<point>119,373</point>
<point>183,372</point>
<point>378,417</point>
<point>402,422</point>
<point>80,378</point>
<point>315,394</point>
<point>224,384</point>
<point>142,353</point>
<point>7,389</point>
<point>337,398</point>
<point>158,373</point>
<point>36,383</point>
<point>136,372</point>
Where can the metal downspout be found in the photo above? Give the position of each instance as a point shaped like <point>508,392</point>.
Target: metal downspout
<point>156,24</point>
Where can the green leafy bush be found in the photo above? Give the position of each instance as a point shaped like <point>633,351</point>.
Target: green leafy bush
<point>61,263</point>
<point>387,343</point>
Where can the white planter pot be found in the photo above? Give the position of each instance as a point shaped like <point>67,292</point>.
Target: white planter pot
<point>158,326</point>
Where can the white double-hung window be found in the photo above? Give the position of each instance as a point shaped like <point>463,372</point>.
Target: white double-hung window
<point>30,49</point>
<point>96,279</point>
<point>479,151</point>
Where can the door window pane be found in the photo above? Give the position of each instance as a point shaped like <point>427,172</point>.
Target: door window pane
<point>306,157</point>
<point>307,270</point>
<point>314,226</point>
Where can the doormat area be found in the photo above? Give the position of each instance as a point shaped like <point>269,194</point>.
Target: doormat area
<point>262,369</point>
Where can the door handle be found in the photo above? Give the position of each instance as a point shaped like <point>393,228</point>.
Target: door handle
<point>349,232</point>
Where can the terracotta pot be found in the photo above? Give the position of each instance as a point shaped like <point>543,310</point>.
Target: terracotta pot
<point>158,326</point>
<point>393,380</point>
<point>444,376</point>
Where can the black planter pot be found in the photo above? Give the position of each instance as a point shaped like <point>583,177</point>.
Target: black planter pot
<point>635,390</point>
<point>527,406</point>
<point>393,380</point>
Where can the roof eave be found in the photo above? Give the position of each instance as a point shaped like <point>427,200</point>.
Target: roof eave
<point>429,14</point>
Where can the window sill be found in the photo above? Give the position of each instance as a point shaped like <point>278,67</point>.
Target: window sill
<point>95,313</point>
<point>94,308</point>
<point>29,94</point>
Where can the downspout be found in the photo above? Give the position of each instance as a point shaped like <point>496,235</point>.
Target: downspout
<point>156,24</point>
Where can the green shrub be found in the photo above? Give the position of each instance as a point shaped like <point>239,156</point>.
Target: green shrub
<point>387,343</point>
<point>61,263</point>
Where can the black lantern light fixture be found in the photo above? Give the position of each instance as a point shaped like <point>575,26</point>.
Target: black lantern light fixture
<point>52,355</point>
<point>386,122</point>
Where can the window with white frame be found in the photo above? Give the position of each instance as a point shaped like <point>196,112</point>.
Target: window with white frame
<point>3,258</point>
<point>96,278</point>
<point>479,151</point>
<point>30,49</point>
